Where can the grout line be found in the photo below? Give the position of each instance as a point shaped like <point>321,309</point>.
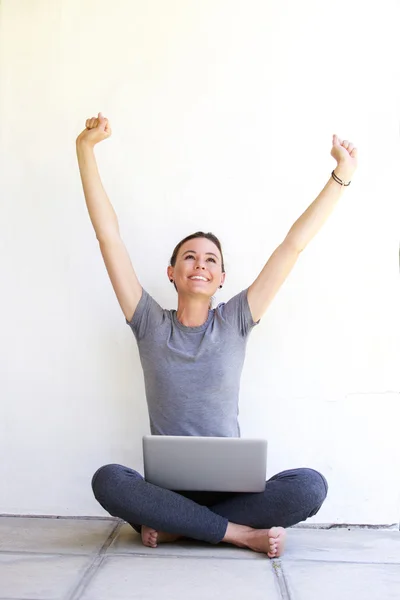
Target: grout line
<point>243,558</point>
<point>91,570</point>
<point>350,526</point>
<point>355,527</point>
<point>310,526</point>
<point>96,553</point>
<point>281,579</point>
<point>179,556</point>
<point>38,553</point>
<point>340,562</point>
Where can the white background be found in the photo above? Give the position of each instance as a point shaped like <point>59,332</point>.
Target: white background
<point>222,115</point>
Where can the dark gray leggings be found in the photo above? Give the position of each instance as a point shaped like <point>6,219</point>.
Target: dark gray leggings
<point>289,497</point>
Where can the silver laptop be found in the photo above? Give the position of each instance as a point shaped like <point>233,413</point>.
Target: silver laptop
<point>205,463</point>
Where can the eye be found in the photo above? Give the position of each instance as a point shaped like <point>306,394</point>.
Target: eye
<point>189,256</point>
<point>212,259</point>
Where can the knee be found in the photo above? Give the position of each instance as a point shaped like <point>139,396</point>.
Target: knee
<point>105,480</point>
<point>101,480</point>
<point>315,488</point>
<point>112,476</point>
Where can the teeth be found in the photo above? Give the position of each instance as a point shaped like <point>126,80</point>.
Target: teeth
<point>200,278</point>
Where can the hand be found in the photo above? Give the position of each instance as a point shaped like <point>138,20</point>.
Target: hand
<point>346,155</point>
<point>96,130</point>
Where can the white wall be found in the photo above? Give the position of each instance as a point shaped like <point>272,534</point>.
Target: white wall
<point>222,114</point>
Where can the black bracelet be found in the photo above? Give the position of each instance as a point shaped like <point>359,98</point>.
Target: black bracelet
<point>336,178</point>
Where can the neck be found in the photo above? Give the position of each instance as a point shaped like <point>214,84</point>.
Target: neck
<point>193,311</point>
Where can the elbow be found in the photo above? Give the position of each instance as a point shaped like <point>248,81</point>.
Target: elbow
<point>105,236</point>
<point>293,244</point>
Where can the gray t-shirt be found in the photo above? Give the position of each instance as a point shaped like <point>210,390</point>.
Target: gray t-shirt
<point>192,374</point>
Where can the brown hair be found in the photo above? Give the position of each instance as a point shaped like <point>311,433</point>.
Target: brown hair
<point>198,234</point>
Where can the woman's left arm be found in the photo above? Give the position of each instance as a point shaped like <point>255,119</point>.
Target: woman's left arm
<point>283,259</point>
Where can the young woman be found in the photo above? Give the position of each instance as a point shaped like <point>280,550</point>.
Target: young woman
<point>192,379</point>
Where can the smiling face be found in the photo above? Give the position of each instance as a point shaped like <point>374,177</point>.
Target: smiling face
<point>198,268</point>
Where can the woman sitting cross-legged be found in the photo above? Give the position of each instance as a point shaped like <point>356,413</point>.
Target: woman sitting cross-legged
<point>200,349</point>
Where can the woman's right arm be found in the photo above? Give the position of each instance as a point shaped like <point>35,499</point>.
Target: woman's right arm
<point>104,220</point>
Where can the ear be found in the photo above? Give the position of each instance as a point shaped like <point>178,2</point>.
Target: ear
<point>170,272</point>
<point>223,278</point>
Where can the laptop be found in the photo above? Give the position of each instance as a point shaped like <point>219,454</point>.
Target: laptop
<point>215,464</point>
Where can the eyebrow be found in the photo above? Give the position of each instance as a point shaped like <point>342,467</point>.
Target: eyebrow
<point>194,252</point>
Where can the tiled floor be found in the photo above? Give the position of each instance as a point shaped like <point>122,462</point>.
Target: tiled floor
<point>103,559</point>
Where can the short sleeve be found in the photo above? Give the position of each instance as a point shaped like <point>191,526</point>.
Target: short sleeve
<point>237,313</point>
<point>147,316</point>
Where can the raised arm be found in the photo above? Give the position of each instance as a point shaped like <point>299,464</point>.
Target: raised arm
<point>283,259</point>
<point>104,220</point>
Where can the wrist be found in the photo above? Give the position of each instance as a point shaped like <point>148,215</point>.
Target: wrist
<point>344,172</point>
<point>83,145</point>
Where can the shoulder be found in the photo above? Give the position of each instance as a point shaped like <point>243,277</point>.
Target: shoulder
<point>148,316</point>
<point>236,312</point>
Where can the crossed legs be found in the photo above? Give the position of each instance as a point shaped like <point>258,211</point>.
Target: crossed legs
<point>253,520</point>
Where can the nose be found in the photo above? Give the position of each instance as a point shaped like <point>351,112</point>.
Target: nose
<point>199,267</point>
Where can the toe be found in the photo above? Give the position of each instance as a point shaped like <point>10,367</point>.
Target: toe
<point>148,537</point>
<point>274,532</point>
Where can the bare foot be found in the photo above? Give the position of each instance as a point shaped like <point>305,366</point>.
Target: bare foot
<point>270,541</point>
<point>151,537</point>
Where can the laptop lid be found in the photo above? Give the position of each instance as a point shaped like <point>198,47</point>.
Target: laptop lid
<point>205,463</point>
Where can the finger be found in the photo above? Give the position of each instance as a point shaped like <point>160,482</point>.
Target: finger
<point>350,148</point>
<point>345,144</point>
<point>87,124</point>
<point>354,153</point>
<point>337,139</point>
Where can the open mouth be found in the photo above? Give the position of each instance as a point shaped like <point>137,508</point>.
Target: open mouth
<point>198,278</point>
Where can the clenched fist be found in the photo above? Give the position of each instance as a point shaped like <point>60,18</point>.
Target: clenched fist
<point>97,129</point>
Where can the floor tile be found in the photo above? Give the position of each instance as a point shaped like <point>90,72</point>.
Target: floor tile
<point>64,536</point>
<point>356,545</point>
<point>134,577</point>
<point>40,576</point>
<point>129,542</point>
<point>332,581</point>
